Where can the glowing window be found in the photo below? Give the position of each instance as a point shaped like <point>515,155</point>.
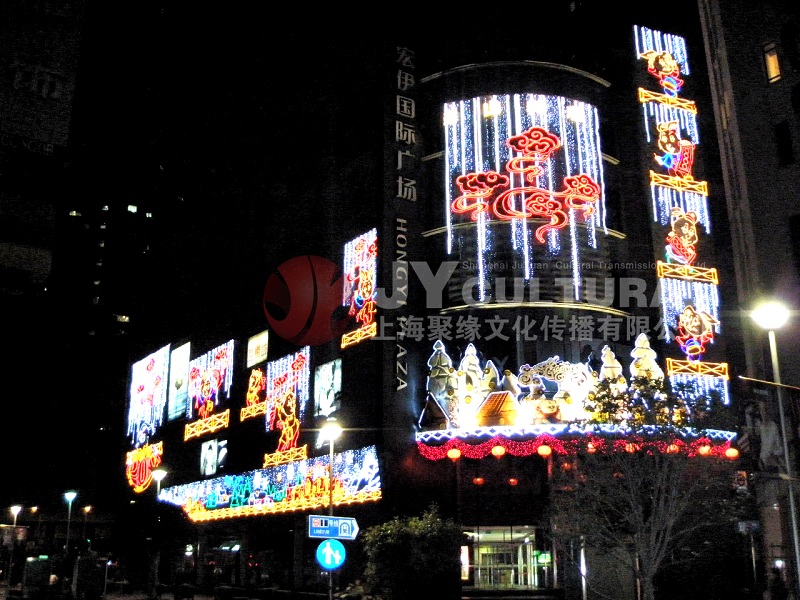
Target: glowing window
<point>771,62</point>
<point>132,208</point>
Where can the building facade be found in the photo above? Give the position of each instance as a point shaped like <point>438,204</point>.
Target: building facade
<point>542,221</point>
<point>488,223</point>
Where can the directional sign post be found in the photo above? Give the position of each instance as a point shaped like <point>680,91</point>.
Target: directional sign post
<point>327,527</point>
<point>331,554</point>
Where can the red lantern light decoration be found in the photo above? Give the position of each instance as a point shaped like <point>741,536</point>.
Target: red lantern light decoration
<point>513,481</point>
<point>631,447</point>
<point>591,448</point>
<point>732,453</point>
<point>478,480</point>
<point>454,454</point>
<point>704,450</point>
<point>544,450</point>
<point>498,451</point>
<point>672,449</point>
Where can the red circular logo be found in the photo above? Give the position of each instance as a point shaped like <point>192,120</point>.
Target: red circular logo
<point>301,299</point>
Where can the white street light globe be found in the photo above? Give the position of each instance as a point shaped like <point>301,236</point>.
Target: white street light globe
<point>330,431</point>
<point>771,315</point>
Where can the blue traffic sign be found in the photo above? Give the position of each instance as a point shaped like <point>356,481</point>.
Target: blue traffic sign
<point>325,526</point>
<point>331,554</point>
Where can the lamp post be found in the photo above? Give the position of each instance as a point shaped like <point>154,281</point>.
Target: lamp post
<point>158,475</point>
<point>772,316</point>
<point>86,510</point>
<point>69,497</point>
<point>330,432</point>
<point>454,454</point>
<point>15,511</point>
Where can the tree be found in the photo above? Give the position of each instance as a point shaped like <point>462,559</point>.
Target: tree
<point>414,557</point>
<point>643,493</point>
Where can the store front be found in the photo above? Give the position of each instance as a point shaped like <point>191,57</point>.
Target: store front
<point>507,557</point>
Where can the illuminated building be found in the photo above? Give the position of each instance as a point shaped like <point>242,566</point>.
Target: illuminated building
<point>517,170</point>
<point>544,223</point>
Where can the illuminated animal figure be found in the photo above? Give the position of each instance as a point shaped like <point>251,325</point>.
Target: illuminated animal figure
<point>256,386</point>
<point>682,239</point>
<point>575,381</point>
<point>678,157</point>
<point>695,330</point>
<point>663,66</point>
<point>284,417</point>
<point>484,190</point>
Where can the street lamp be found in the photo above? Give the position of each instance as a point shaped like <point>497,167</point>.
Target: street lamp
<point>772,316</point>
<point>69,497</point>
<point>15,511</point>
<point>330,432</point>
<point>158,475</point>
<point>86,510</point>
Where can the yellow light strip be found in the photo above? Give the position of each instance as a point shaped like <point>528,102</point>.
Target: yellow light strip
<point>690,367</point>
<point>254,410</point>
<point>680,184</point>
<point>209,425</point>
<point>198,513</point>
<point>687,272</point>
<point>359,335</point>
<point>673,101</point>
<point>565,305</point>
<point>286,456</point>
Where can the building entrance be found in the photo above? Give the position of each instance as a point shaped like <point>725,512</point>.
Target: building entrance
<point>510,557</point>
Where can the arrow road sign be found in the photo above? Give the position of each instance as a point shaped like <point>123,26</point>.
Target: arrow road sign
<point>331,554</point>
<point>325,526</point>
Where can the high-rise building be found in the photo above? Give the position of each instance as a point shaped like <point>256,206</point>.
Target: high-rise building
<point>753,53</point>
<point>484,224</point>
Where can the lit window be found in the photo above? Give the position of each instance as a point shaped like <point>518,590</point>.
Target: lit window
<point>771,62</point>
<point>105,207</point>
<point>123,318</point>
<point>149,215</point>
<point>132,208</point>
<point>74,213</point>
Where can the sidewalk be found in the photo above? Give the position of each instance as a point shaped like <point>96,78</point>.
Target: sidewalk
<point>134,594</point>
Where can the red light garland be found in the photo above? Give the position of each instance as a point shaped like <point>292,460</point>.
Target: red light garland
<point>543,445</point>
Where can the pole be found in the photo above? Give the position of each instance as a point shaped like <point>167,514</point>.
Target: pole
<point>69,518</point>
<point>458,491</point>
<point>330,509</point>
<point>776,373</point>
